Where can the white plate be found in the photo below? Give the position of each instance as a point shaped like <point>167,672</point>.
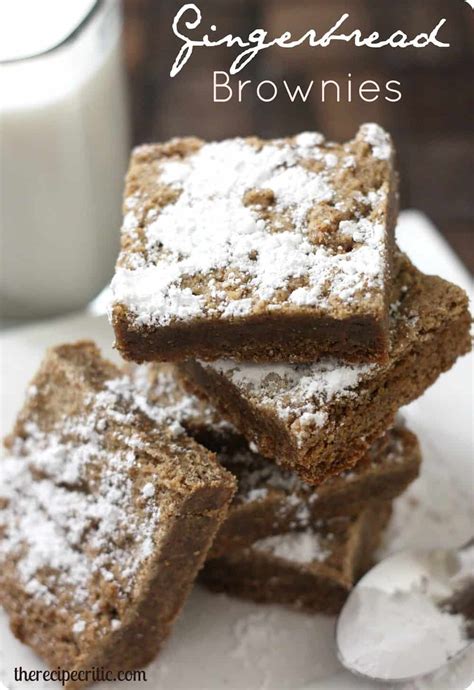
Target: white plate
<point>220,642</point>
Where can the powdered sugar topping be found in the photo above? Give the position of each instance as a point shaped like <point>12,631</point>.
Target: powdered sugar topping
<point>259,477</point>
<point>298,547</point>
<point>302,395</point>
<point>298,394</point>
<point>378,138</point>
<point>73,516</point>
<point>160,396</point>
<point>69,534</point>
<point>242,234</point>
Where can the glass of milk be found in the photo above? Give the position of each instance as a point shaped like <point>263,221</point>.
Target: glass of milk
<point>64,141</point>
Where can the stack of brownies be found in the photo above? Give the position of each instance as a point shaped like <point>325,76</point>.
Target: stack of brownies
<point>272,330</point>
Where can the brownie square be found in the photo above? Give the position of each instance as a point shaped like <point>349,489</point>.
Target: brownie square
<point>106,516</point>
<point>319,419</point>
<point>271,500</point>
<point>258,250</point>
<point>311,570</point>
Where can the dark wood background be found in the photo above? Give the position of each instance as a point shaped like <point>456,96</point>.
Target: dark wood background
<point>433,124</point>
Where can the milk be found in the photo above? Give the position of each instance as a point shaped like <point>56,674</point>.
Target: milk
<point>64,150</point>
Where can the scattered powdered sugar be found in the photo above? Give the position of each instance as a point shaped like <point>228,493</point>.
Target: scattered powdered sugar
<point>242,257</point>
<point>159,395</point>
<point>258,477</point>
<point>256,495</point>
<point>148,490</point>
<point>297,393</point>
<point>79,627</point>
<point>378,138</point>
<point>325,379</point>
<point>74,516</point>
<point>308,140</point>
<point>255,642</point>
<point>302,510</point>
<point>301,395</point>
<point>299,547</point>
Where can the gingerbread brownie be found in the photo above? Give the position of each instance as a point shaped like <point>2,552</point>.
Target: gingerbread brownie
<point>271,500</point>
<point>319,419</point>
<point>105,517</point>
<point>257,250</point>
<point>311,570</point>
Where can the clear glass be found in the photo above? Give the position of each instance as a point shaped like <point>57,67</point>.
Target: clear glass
<point>64,149</point>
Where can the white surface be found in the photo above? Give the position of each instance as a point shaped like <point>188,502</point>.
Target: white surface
<point>224,643</point>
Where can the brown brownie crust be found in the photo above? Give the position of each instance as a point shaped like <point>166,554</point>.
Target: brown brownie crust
<point>320,419</point>
<point>106,515</point>
<point>172,302</point>
<point>277,570</point>
<point>271,500</point>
